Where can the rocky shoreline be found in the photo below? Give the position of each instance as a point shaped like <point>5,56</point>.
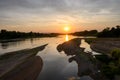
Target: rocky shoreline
<point>85,61</point>
<point>89,64</point>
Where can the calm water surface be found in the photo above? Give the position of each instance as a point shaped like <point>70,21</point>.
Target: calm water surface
<point>56,65</point>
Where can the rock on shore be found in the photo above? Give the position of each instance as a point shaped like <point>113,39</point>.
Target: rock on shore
<point>85,61</point>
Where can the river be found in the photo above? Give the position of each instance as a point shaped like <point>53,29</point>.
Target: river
<point>55,64</point>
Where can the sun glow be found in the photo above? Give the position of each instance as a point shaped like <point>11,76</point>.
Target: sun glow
<point>66,28</point>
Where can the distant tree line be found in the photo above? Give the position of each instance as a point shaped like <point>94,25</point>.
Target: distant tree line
<point>105,33</point>
<point>110,32</point>
<point>86,33</point>
<point>4,34</point>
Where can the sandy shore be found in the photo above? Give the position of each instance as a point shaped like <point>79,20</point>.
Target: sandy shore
<point>19,65</point>
<point>104,45</point>
<point>28,70</point>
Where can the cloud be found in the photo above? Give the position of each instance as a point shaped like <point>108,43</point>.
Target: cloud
<point>60,6</point>
<point>49,11</point>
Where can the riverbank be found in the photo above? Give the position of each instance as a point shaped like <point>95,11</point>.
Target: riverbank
<point>103,45</point>
<point>109,60</point>
<point>87,65</point>
<point>21,65</point>
<point>98,67</point>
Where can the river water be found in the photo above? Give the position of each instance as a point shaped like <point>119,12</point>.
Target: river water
<point>55,64</point>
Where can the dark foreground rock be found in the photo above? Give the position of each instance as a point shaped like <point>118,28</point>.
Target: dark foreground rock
<point>87,65</point>
<point>71,47</point>
<point>21,65</point>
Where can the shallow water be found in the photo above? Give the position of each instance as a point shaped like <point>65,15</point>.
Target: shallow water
<point>56,65</point>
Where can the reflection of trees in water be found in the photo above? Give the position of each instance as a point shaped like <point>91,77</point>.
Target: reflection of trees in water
<point>4,45</point>
<point>31,40</point>
<point>15,43</point>
<point>7,44</point>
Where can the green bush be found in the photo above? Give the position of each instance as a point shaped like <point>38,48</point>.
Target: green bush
<point>113,67</point>
<point>115,54</point>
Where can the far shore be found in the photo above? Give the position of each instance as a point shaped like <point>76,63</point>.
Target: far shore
<point>21,39</point>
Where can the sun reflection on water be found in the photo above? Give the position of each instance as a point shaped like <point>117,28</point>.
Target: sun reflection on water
<point>66,38</point>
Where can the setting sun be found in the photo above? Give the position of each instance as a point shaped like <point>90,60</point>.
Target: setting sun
<point>66,29</point>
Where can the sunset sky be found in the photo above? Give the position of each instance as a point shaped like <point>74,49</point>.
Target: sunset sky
<point>54,15</point>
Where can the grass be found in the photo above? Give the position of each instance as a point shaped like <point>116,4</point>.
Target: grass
<point>112,67</point>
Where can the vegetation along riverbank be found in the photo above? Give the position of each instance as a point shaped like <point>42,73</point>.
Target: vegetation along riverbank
<point>109,60</point>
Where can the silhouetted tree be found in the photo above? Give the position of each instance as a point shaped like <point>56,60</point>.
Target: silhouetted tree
<point>110,32</point>
<point>86,33</point>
